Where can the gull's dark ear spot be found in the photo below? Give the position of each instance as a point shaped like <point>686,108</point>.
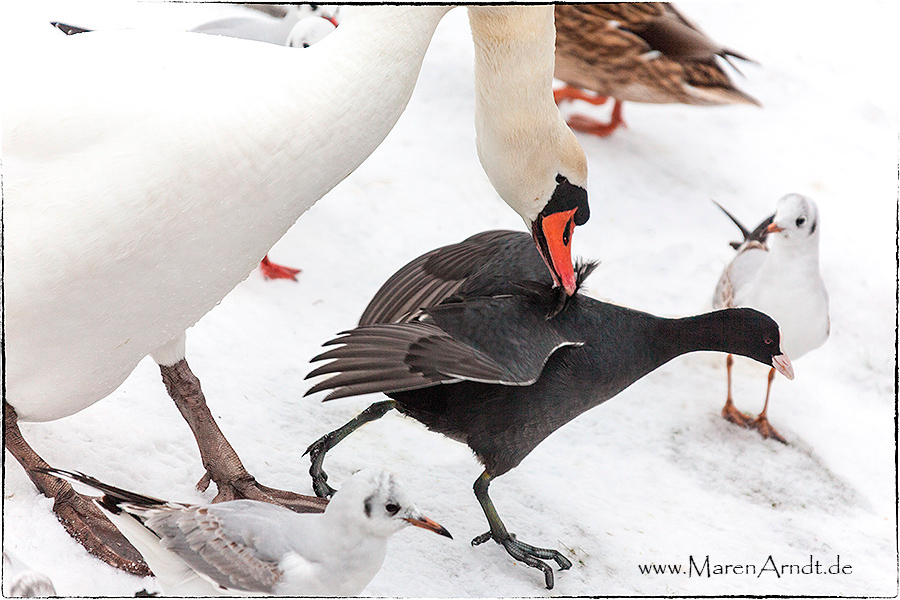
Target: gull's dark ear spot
<point>367,506</point>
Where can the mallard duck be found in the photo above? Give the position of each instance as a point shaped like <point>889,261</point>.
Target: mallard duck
<point>640,52</point>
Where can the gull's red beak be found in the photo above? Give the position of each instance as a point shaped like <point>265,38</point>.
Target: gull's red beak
<point>426,523</point>
<point>773,228</point>
<point>553,237</point>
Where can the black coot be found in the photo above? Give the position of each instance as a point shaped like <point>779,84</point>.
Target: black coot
<point>474,342</point>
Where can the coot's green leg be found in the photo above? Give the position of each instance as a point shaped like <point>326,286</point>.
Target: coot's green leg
<point>519,550</point>
<point>328,441</point>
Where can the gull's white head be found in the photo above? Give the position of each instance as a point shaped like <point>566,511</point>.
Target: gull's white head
<point>308,31</point>
<point>374,501</point>
<point>796,220</point>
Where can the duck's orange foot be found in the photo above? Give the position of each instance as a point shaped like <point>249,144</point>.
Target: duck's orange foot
<point>271,270</point>
<point>584,123</point>
<point>765,429</point>
<point>572,93</point>
<point>733,415</point>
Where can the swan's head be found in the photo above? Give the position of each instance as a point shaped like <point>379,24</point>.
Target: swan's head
<point>528,152</point>
<point>541,172</point>
<point>554,226</point>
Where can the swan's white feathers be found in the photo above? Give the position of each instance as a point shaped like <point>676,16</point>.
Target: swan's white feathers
<point>121,202</point>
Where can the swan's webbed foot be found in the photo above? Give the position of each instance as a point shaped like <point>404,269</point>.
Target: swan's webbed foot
<point>78,514</point>
<point>86,523</point>
<point>248,488</point>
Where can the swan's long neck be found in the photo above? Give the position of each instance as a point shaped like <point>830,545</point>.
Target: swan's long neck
<point>523,143</point>
<point>373,59</point>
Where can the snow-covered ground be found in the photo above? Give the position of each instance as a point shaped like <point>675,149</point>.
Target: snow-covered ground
<point>654,476</point>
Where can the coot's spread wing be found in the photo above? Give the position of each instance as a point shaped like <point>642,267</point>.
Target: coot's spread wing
<point>434,277</point>
<point>392,357</point>
<point>504,340</point>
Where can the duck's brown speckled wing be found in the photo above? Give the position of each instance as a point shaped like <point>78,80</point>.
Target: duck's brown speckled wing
<point>642,52</point>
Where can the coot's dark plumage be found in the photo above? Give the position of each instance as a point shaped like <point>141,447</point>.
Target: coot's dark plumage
<point>473,341</point>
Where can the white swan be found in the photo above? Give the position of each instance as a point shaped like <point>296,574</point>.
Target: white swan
<point>304,32</point>
<point>140,189</point>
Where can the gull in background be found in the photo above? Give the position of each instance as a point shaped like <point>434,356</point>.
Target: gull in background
<point>776,270</point>
<point>21,581</point>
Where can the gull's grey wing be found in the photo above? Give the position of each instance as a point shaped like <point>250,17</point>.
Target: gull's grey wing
<point>739,274</point>
<point>237,545</point>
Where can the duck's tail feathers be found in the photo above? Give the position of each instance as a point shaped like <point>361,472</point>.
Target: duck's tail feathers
<point>728,55</point>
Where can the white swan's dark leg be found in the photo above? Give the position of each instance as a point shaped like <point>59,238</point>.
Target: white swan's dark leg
<point>222,464</point>
<point>77,513</point>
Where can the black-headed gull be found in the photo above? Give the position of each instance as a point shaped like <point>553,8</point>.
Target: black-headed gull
<point>21,581</point>
<point>245,547</point>
<point>776,270</point>
<point>262,26</point>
